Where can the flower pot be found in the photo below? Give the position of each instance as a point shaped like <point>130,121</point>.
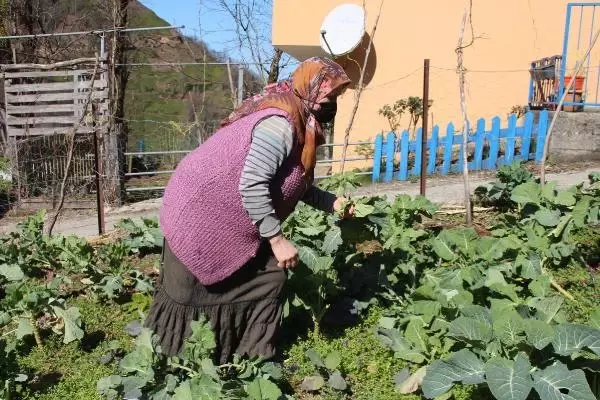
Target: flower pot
<point>577,86</point>
<point>579,82</point>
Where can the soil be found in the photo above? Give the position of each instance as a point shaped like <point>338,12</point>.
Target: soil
<point>440,189</point>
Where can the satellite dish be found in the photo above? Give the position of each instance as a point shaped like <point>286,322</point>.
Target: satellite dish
<point>343,29</point>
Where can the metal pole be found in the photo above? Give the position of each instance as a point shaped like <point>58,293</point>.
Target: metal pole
<point>563,63</point>
<point>102,45</point>
<point>95,32</point>
<point>323,33</point>
<point>425,127</point>
<point>240,85</point>
<point>99,183</point>
<point>180,64</point>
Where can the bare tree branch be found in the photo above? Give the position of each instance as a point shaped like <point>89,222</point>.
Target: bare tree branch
<point>251,20</point>
<point>359,87</point>
<point>274,69</point>
<point>44,16</point>
<point>71,140</point>
<point>463,107</point>
<point>203,84</point>
<point>46,67</point>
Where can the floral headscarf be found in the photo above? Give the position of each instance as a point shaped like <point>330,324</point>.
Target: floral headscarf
<point>311,83</point>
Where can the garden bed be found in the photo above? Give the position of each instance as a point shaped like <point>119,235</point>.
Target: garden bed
<point>402,302</point>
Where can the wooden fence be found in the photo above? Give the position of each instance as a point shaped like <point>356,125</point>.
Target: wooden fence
<point>42,161</point>
<point>42,103</point>
<point>400,158</point>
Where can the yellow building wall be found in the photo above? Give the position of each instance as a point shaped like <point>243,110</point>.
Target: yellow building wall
<point>511,34</point>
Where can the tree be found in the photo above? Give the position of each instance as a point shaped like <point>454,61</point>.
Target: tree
<point>4,58</point>
<point>4,44</point>
<point>116,145</point>
<point>251,20</point>
<point>361,84</point>
<point>25,16</point>
<point>412,105</point>
<point>30,17</point>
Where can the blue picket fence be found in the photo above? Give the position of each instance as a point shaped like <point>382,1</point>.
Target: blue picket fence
<point>495,147</point>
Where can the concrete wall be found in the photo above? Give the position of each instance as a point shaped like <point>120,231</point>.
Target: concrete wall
<point>514,33</point>
<point>576,137</point>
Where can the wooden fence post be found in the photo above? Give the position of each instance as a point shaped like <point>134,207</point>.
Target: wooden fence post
<point>449,142</point>
<point>494,143</point>
<point>526,140</point>
<point>541,136</point>
<point>433,149</point>
<point>479,143</point>
<point>418,152</point>
<point>510,140</point>
<point>462,146</point>
<point>404,144</point>
<point>390,149</point>
<point>377,157</point>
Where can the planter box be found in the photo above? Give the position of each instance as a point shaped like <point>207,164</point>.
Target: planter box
<point>577,87</point>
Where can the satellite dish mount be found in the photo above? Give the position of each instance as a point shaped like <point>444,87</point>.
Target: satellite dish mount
<point>343,30</point>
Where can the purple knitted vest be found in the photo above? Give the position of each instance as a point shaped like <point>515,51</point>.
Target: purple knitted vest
<point>202,215</point>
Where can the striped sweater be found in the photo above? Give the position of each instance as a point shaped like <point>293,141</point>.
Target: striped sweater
<point>272,141</point>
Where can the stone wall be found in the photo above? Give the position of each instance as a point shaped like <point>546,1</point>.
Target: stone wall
<point>576,137</point>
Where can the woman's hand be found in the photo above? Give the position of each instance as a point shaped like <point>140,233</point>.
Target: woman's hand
<point>284,251</point>
<point>341,206</point>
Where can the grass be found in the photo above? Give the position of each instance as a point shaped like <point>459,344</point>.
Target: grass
<point>584,286</point>
<point>72,371</point>
<point>369,366</point>
<point>145,17</point>
<point>589,242</point>
<point>5,185</point>
<point>162,94</point>
<point>582,280</point>
<point>157,101</point>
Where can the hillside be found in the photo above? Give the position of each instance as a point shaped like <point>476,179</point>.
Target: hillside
<point>162,103</point>
<point>176,95</point>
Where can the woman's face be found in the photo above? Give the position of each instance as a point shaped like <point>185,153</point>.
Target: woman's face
<point>326,110</point>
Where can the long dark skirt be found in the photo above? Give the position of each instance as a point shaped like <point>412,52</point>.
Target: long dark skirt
<point>244,309</point>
